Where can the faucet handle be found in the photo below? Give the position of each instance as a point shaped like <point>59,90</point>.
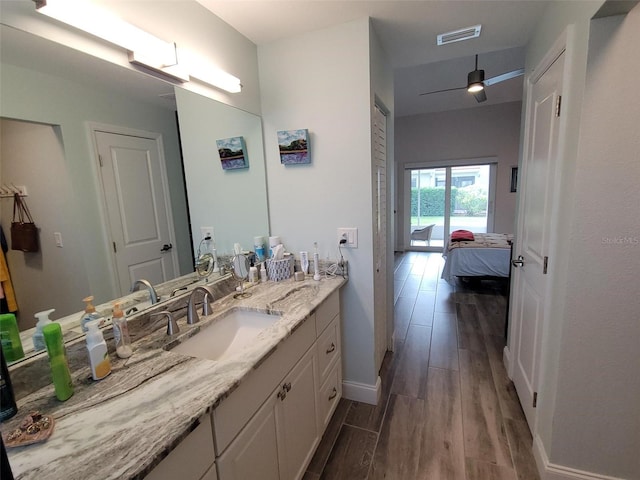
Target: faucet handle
<point>172,325</point>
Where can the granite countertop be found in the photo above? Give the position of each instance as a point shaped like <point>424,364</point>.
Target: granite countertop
<point>122,426</point>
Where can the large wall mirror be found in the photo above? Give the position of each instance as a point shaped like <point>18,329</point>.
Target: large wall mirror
<point>53,100</point>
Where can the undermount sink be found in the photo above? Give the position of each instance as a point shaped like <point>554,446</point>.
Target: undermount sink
<point>227,336</point>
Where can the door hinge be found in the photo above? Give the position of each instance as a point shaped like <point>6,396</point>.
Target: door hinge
<point>115,250</point>
<point>535,399</point>
<point>558,105</point>
<point>100,160</point>
<point>545,265</point>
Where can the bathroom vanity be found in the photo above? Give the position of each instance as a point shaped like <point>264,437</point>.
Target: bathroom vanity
<point>257,412</point>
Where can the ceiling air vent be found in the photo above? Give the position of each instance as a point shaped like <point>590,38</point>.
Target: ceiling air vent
<point>459,35</point>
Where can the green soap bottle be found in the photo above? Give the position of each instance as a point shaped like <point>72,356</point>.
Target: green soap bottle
<point>10,337</point>
<point>58,361</point>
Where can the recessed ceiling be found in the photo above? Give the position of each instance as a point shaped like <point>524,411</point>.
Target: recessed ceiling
<point>407,31</point>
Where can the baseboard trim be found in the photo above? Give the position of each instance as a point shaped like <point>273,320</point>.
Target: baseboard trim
<point>552,471</point>
<point>362,392</point>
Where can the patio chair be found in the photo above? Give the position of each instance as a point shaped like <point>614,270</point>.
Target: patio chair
<point>423,234</point>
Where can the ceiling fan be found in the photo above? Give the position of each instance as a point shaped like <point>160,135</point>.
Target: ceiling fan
<point>476,82</point>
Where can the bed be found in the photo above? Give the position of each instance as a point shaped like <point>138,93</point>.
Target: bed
<point>488,255</point>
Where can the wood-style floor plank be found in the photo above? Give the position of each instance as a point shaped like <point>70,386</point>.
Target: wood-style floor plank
<point>411,375</point>
<point>352,455</point>
<point>444,342</point>
<point>398,449</point>
<point>491,314</point>
<point>368,416</point>
<point>329,438</point>
<point>520,443</point>
<point>442,445</point>
<point>484,434</point>
<point>423,309</point>
<point>506,390</point>
<point>470,335</point>
<point>478,470</point>
<point>402,312</point>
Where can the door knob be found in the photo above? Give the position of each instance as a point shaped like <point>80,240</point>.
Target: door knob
<point>518,262</point>
<point>166,247</point>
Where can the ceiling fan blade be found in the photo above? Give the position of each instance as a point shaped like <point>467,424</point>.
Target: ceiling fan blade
<point>445,90</point>
<point>504,76</point>
<point>480,96</point>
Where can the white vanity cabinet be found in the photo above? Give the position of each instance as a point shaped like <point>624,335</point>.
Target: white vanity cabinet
<point>192,459</point>
<point>270,426</point>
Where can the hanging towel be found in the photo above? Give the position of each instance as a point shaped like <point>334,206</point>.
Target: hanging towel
<point>7,287</point>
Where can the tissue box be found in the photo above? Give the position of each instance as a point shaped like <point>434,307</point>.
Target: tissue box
<point>278,270</point>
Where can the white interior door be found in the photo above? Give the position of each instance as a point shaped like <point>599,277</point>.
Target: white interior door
<point>137,207</point>
<point>380,233</point>
<point>532,240</point>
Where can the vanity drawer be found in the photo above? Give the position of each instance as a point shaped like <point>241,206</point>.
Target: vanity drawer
<point>234,412</point>
<point>328,348</point>
<point>327,311</point>
<point>330,394</point>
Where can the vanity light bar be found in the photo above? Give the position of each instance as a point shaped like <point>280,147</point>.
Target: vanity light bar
<point>143,48</point>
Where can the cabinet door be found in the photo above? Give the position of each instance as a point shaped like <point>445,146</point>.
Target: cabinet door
<point>298,433</point>
<point>254,453</point>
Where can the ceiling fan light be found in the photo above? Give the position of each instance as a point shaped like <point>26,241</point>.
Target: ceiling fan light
<point>475,81</point>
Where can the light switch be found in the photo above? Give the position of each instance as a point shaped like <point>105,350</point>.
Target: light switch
<point>58,237</point>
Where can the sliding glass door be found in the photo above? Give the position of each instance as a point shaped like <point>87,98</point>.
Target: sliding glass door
<point>445,199</point>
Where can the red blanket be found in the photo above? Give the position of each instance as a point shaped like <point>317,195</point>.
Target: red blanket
<point>462,235</point>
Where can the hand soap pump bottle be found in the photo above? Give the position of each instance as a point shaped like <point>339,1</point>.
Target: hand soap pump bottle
<point>121,333</point>
<point>89,314</point>
<point>38,337</point>
<point>98,353</point>
<point>58,361</point>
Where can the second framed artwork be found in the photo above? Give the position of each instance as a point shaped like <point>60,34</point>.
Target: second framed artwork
<point>233,153</point>
<point>294,147</point>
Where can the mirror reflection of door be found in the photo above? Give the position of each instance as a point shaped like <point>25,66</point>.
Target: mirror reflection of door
<point>445,199</point>
<point>137,205</point>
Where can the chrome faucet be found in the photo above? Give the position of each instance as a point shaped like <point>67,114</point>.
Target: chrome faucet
<point>172,326</point>
<point>192,312</point>
<point>153,295</point>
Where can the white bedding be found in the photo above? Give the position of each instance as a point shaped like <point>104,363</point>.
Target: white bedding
<point>488,255</point>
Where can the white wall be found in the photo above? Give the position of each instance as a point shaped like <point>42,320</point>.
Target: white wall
<point>492,131</point>
<point>320,81</point>
<point>597,416</point>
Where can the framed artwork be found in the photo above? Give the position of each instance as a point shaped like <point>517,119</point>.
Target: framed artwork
<point>514,179</point>
<point>233,153</point>
<point>294,147</point>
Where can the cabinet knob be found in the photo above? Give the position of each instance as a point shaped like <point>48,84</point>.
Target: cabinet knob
<point>287,387</point>
<point>334,393</point>
<point>331,348</point>
<point>282,394</point>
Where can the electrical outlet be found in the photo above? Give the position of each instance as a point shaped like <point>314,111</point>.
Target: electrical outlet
<point>206,232</point>
<point>350,234</point>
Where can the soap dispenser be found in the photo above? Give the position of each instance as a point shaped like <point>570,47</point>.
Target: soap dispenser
<point>98,353</point>
<point>90,314</point>
<point>58,361</point>
<point>121,333</point>
<point>38,337</point>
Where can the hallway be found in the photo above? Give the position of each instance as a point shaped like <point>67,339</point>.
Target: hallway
<point>448,409</point>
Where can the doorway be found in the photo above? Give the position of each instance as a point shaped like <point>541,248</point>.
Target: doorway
<point>443,199</point>
<point>135,189</point>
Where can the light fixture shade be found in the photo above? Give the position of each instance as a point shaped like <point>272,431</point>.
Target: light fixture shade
<point>475,81</point>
